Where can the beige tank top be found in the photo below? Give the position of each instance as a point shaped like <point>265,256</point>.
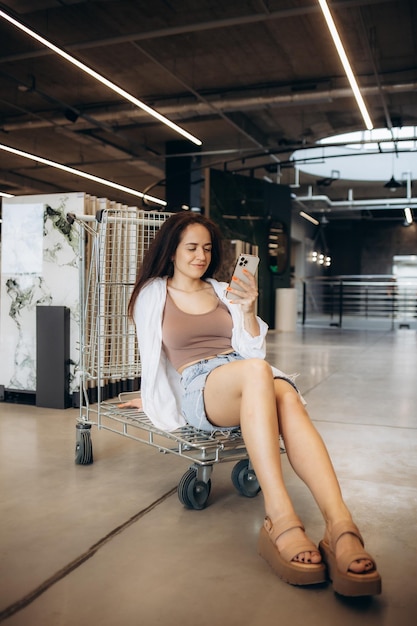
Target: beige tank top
<point>187,337</point>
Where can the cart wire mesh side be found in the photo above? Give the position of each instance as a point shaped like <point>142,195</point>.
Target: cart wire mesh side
<point>112,247</point>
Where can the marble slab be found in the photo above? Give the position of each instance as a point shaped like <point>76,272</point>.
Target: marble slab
<point>40,266</point>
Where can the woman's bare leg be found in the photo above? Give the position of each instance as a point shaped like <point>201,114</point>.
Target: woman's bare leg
<point>310,460</point>
<point>245,393</point>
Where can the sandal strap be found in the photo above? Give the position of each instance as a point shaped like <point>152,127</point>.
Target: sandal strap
<point>342,528</point>
<point>277,528</point>
<point>294,547</point>
<point>347,557</point>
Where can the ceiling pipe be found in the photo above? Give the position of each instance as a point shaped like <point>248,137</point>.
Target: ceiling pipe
<point>407,176</point>
<point>382,203</point>
<point>198,109</point>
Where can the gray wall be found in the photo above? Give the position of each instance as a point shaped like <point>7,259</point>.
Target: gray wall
<point>368,247</point>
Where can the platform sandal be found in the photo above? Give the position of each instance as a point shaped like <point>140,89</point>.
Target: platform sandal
<point>345,582</point>
<point>293,572</point>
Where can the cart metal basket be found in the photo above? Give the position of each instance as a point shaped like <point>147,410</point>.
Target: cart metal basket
<point>112,246</point>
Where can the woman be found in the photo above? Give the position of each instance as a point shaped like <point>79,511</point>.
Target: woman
<point>203,363</point>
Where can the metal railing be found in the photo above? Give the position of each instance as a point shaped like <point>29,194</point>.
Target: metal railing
<point>342,299</point>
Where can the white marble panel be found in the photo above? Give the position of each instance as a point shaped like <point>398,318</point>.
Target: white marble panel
<point>23,239</point>
<point>39,266</point>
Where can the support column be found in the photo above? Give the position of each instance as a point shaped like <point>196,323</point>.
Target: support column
<point>183,175</point>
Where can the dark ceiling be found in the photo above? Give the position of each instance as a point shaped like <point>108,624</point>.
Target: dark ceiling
<point>253,79</point>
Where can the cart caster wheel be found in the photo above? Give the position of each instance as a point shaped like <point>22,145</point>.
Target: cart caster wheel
<point>83,445</point>
<point>244,479</point>
<point>193,493</point>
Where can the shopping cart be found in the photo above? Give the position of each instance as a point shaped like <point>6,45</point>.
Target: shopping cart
<point>112,245</point>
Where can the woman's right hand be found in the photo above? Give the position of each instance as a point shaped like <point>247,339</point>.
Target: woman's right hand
<point>136,403</point>
<point>247,296</point>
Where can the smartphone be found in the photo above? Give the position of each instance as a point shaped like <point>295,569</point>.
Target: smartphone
<point>247,262</point>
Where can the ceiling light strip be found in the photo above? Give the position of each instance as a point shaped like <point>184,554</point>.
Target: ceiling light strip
<point>309,218</point>
<point>345,62</point>
<point>101,79</point>
<point>71,170</point>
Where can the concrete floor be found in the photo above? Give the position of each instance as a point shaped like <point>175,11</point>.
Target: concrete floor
<point>111,544</point>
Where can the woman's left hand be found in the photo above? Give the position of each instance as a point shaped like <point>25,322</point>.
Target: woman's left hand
<point>136,403</point>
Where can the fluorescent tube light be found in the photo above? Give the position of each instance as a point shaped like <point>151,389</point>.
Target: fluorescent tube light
<point>345,62</point>
<point>3,194</point>
<point>408,215</point>
<point>71,170</point>
<point>309,218</point>
<point>101,79</point>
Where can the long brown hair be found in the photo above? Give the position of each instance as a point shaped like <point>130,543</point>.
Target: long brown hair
<point>157,261</point>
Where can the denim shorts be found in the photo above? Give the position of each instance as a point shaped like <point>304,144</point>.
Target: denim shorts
<point>193,380</point>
